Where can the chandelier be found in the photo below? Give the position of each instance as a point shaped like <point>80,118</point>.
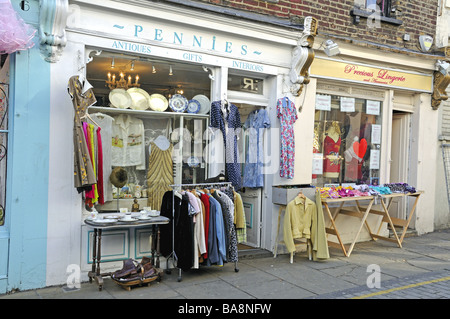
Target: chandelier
<point>122,83</point>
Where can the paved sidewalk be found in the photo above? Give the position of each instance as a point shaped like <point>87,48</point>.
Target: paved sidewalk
<point>419,270</point>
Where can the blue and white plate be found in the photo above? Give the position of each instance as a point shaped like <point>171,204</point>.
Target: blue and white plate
<point>193,106</point>
<point>178,103</point>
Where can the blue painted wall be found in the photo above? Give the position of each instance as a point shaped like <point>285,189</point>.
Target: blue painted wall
<point>28,169</point>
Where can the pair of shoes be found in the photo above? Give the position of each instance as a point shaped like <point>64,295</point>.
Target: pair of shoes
<point>132,270</point>
<point>129,268</point>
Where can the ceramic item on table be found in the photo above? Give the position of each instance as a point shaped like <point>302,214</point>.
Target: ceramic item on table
<point>205,103</point>
<point>105,221</point>
<point>178,103</point>
<point>158,102</point>
<point>128,219</point>
<point>140,99</point>
<point>120,98</point>
<point>193,106</point>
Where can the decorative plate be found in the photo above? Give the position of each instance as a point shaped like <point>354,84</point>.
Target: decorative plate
<point>120,98</point>
<point>178,103</point>
<point>140,99</point>
<point>193,106</point>
<point>158,102</point>
<point>104,221</point>
<point>205,104</point>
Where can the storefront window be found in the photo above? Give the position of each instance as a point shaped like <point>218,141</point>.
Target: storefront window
<point>157,93</point>
<point>347,140</point>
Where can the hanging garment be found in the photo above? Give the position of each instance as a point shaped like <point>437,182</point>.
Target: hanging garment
<point>128,147</point>
<point>100,186</point>
<point>217,253</point>
<point>205,200</point>
<point>255,124</point>
<point>287,114</point>
<point>159,174</point>
<point>230,231</point>
<point>105,122</point>
<point>239,218</point>
<point>183,230</point>
<point>331,162</point>
<point>304,219</point>
<point>228,120</point>
<point>84,176</point>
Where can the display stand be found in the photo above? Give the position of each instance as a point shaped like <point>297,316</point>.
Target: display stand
<point>173,254</point>
<point>275,249</point>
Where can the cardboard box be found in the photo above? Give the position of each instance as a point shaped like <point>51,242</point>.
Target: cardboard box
<point>281,195</point>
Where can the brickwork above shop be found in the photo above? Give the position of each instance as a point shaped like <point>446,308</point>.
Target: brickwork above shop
<point>412,17</point>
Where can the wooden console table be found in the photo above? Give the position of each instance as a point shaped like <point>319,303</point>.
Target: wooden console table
<point>98,227</point>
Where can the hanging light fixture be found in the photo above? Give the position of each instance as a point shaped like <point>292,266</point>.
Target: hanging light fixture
<point>153,69</point>
<point>170,70</point>
<point>123,82</point>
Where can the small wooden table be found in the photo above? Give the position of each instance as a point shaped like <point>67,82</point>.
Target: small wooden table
<point>356,212</point>
<point>98,227</point>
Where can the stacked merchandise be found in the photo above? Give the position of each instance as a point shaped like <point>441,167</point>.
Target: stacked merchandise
<point>365,190</point>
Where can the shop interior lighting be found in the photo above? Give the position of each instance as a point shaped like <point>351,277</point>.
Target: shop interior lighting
<point>331,48</point>
<point>112,64</point>
<point>123,82</point>
<point>170,70</point>
<point>153,69</point>
<point>132,66</point>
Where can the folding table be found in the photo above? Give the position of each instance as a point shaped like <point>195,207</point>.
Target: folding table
<point>355,211</point>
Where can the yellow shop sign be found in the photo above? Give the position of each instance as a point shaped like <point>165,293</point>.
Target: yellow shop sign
<point>361,73</point>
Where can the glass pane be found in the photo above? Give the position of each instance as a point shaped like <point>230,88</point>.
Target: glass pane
<point>347,140</point>
<point>194,162</point>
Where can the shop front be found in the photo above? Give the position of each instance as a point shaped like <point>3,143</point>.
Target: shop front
<point>372,126</point>
<point>162,75</point>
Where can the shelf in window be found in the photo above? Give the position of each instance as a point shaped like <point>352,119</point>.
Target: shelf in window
<point>143,114</point>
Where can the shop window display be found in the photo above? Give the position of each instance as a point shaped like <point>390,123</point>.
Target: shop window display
<point>347,141</point>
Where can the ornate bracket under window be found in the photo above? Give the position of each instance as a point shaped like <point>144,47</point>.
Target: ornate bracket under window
<point>440,83</point>
<point>302,57</point>
<point>52,24</point>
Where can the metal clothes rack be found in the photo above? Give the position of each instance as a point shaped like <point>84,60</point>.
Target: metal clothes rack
<point>173,255</point>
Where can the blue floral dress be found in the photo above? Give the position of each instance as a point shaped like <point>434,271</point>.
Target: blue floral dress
<point>256,121</point>
<point>287,114</point>
<point>230,125</point>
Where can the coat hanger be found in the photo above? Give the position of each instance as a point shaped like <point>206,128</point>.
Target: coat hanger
<point>301,195</point>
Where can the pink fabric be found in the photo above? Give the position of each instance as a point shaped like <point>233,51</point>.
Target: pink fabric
<point>15,34</point>
<point>101,197</point>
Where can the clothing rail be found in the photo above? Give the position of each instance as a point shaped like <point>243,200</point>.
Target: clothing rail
<point>173,255</point>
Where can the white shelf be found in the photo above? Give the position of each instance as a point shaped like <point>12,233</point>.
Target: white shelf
<point>143,114</point>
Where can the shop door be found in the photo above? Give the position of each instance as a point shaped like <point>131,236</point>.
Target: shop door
<point>251,199</point>
<point>399,159</point>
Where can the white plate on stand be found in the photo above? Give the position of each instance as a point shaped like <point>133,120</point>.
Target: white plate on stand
<point>120,99</point>
<point>140,99</point>
<point>205,103</point>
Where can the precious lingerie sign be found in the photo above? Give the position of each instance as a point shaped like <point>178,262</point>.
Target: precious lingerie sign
<point>372,75</point>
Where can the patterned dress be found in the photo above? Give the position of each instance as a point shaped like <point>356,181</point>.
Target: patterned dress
<point>255,124</point>
<point>230,125</point>
<point>287,114</point>
<point>84,176</point>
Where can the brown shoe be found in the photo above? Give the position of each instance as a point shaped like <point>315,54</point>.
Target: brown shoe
<point>129,268</point>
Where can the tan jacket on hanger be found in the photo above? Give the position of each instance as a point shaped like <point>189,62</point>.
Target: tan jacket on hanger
<point>303,219</point>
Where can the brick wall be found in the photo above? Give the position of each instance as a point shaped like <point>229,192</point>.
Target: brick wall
<point>418,17</point>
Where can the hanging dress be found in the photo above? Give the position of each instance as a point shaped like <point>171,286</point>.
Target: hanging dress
<point>230,126</point>
<point>84,176</point>
<point>256,122</point>
<point>159,174</point>
<point>287,114</point>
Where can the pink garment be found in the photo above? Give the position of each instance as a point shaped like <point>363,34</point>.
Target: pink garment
<point>101,196</point>
<point>15,34</point>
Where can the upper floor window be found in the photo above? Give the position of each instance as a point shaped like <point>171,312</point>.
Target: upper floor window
<point>382,6</point>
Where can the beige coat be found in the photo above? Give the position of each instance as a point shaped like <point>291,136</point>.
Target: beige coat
<point>303,219</point>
